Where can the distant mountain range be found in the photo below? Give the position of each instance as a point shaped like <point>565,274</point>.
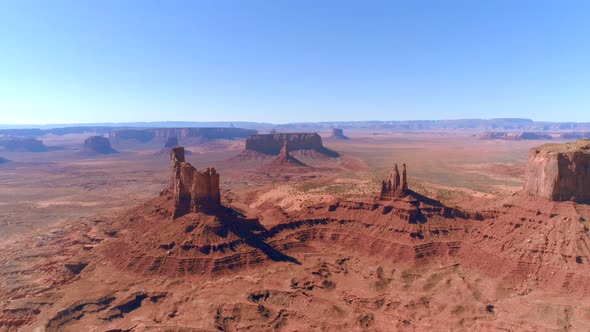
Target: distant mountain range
<point>475,125</point>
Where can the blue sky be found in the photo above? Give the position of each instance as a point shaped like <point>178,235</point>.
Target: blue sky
<point>290,61</point>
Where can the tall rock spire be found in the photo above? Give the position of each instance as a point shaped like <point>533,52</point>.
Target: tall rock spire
<point>404,187</point>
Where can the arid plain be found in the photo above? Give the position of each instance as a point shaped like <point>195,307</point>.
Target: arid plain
<point>88,242</point>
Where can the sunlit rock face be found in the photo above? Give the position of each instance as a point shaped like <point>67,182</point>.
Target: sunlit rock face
<point>559,172</point>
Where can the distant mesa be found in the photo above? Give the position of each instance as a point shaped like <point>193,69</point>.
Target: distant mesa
<point>559,172</point>
<point>3,160</point>
<point>171,142</point>
<point>194,191</point>
<point>271,144</point>
<point>181,134</point>
<point>396,185</point>
<point>98,144</point>
<point>573,135</point>
<point>514,136</point>
<point>22,144</point>
<point>339,134</point>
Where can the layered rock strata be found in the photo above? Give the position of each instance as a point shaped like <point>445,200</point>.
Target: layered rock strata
<point>559,172</point>
<point>194,191</point>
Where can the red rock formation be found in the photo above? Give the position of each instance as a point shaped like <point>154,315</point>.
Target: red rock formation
<point>396,186</point>
<point>285,159</point>
<point>559,172</point>
<point>272,144</point>
<point>194,191</point>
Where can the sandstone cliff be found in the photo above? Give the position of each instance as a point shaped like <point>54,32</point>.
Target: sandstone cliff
<point>559,172</point>
<point>194,191</point>
<point>98,144</point>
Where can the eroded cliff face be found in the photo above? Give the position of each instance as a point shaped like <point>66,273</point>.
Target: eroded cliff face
<point>559,172</point>
<point>194,191</point>
<point>272,144</point>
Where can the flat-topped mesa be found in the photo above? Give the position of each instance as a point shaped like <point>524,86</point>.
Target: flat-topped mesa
<point>396,186</point>
<point>559,172</point>
<point>194,191</point>
<point>271,144</point>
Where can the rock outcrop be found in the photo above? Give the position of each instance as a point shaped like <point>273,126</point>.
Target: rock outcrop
<point>98,144</point>
<point>559,172</point>
<point>22,144</point>
<point>194,191</point>
<point>339,134</point>
<point>396,185</point>
<point>271,144</point>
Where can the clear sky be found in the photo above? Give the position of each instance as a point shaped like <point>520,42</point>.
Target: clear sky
<point>290,61</point>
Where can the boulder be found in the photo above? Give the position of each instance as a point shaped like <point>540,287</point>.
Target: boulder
<point>559,172</point>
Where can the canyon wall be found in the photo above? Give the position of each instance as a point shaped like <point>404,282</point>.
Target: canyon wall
<point>559,172</point>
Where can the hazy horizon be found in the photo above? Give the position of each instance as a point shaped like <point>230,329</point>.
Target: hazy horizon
<point>285,62</point>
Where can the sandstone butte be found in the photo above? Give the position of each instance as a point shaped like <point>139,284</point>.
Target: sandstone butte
<point>194,191</point>
<point>98,144</point>
<point>338,133</point>
<point>559,172</point>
